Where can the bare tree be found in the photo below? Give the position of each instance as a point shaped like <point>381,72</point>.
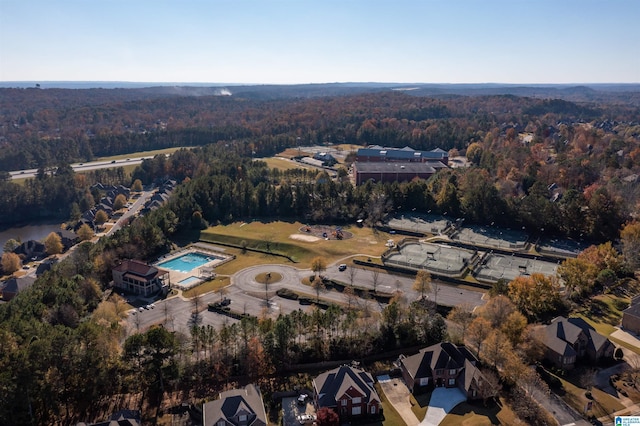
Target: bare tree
<point>267,278</point>
<point>375,279</point>
<point>318,286</point>
<point>398,286</point>
<point>168,316</point>
<point>350,295</point>
<point>489,387</point>
<point>352,274</point>
<point>462,315</point>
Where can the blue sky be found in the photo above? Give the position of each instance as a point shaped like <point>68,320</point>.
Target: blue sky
<point>318,41</point>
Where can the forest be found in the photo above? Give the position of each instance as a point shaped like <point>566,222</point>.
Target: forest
<point>63,348</point>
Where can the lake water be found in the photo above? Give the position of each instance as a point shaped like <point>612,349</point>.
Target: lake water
<point>28,232</point>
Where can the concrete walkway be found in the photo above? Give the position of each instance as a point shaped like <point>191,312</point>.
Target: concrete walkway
<point>442,401</point>
<point>626,337</point>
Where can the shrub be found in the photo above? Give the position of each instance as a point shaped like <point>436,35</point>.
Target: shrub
<point>287,294</point>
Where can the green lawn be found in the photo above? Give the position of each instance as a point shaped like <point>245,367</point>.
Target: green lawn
<point>277,234</point>
<point>479,414</point>
<point>206,287</point>
<point>603,403</point>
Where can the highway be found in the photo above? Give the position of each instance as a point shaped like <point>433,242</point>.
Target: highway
<point>83,167</point>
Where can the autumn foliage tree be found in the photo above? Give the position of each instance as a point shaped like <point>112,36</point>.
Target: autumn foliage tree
<point>630,236</point>
<point>119,202</point>
<point>579,276</point>
<point>422,283</point>
<point>325,416</point>
<point>85,233</point>
<point>535,295</point>
<point>101,217</point>
<point>10,262</point>
<point>318,265</point>
<point>53,244</point>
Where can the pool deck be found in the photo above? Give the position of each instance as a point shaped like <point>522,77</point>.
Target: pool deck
<point>202,272</point>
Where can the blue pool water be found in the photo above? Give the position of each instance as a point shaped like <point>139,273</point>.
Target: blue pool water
<point>188,262</point>
<point>189,281</point>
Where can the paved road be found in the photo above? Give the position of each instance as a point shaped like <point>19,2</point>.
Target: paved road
<point>248,295</point>
<point>83,167</point>
<point>448,295</point>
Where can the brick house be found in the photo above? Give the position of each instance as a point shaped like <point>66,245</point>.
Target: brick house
<point>442,365</point>
<point>348,391</point>
<point>568,339</point>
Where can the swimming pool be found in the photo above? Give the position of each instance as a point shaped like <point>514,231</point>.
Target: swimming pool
<point>189,282</point>
<point>188,262</point>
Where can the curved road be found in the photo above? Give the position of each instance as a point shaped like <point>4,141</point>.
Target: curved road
<point>248,295</point>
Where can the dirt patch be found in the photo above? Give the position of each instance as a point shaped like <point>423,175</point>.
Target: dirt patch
<point>326,232</point>
<point>304,237</point>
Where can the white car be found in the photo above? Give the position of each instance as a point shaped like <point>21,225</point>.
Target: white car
<point>306,418</point>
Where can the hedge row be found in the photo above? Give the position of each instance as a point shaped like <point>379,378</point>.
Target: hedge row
<point>225,310</point>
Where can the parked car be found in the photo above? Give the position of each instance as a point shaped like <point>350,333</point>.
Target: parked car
<point>302,399</point>
<point>342,267</point>
<point>306,418</point>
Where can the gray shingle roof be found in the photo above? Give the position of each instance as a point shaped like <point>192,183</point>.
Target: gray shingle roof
<point>334,383</point>
<point>443,355</point>
<point>234,403</point>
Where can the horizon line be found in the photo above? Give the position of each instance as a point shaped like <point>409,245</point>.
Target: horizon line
<point>2,82</point>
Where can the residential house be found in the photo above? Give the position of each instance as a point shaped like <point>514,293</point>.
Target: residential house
<point>348,391</point>
<point>138,277</point>
<point>443,365</point>
<point>236,407</point>
<point>30,249</point>
<point>67,238</point>
<point>121,418</point>
<point>567,340</point>
<point>15,285</point>
<point>45,266</point>
<point>631,316</point>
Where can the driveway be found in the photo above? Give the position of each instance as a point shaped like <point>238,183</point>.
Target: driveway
<point>397,394</point>
<point>291,410</point>
<point>442,401</point>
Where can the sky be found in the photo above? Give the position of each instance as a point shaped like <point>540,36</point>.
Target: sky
<point>321,41</point>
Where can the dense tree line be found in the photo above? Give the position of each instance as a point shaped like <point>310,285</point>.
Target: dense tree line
<point>37,135</point>
<point>65,353</point>
<point>56,193</point>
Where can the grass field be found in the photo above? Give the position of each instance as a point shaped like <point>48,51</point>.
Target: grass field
<point>283,164</point>
<point>275,237</point>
